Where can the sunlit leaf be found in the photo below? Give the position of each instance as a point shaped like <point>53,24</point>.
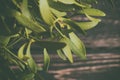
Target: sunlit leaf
<point>87,25</point>
<point>24,9</point>
<point>67,50</point>
<point>92,18</point>
<point>71,2</point>
<point>61,55</point>
<point>77,46</point>
<point>46,60</point>
<point>30,61</point>
<point>16,3</point>
<point>86,5</point>
<point>67,1</point>
<point>93,12</point>
<point>68,53</point>
<point>58,13</point>
<point>45,11</point>
<point>27,32</point>
<point>21,51</point>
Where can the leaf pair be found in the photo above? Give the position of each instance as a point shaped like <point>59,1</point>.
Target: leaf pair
<point>89,12</point>
<point>81,26</point>
<point>77,46</point>
<point>27,57</point>
<point>73,44</point>
<point>65,51</point>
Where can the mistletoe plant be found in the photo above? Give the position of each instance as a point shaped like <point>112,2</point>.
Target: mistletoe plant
<point>47,24</point>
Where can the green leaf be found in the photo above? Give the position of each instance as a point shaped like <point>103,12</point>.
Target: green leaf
<point>51,45</point>
<point>77,46</point>
<point>71,2</point>
<point>61,55</point>
<point>58,13</point>
<point>85,5</point>
<point>93,12</point>
<point>21,51</point>
<point>46,13</point>
<point>66,1</point>
<point>74,26</point>
<point>15,3</point>
<point>87,25</point>
<point>28,23</point>
<point>67,50</point>
<point>68,53</point>
<point>60,6</point>
<point>93,19</point>
<point>4,40</point>
<point>46,60</point>
<point>30,61</point>
<point>25,10</point>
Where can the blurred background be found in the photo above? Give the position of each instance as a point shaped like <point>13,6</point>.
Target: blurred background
<point>103,50</point>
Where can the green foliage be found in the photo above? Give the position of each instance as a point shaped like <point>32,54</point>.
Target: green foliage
<point>46,60</point>
<point>66,50</point>
<point>45,24</point>
<point>93,12</point>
